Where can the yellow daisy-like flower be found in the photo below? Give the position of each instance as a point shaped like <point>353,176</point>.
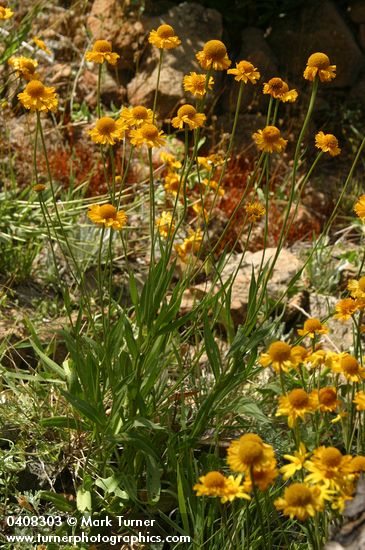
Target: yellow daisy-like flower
<point>328,143</point>
<point>136,116</point>
<point>24,66</point>
<point>165,224</point>
<point>250,454</point>
<point>358,464</point>
<point>246,72</point>
<point>164,38</point>
<point>317,359</point>
<point>278,89</point>
<point>359,207</point>
<point>38,97</point>
<point>39,187</point>
<point>170,160</point>
<point>172,183</point>
<point>327,399</point>
<point>318,64</point>
<point>269,140</point>
<point>360,400</point>
<point>349,367</point>
<point>187,114</point>
<point>5,13</point>
<point>301,353</point>
<point>149,135</point>
<point>108,131</point>
<point>213,184</point>
<point>213,56</point>
<point>312,327</point>
<point>196,84</point>
<point>107,215</point>
<point>210,162</point>
<point>255,211</point>
<point>280,357</point>
<point>296,462</point>
<point>190,245</point>
<point>263,479</point>
<point>300,501</point>
<point>296,404</point>
<point>41,45</point>
<point>329,467</point>
<point>345,309</point>
<point>215,484</point>
<point>102,51</point>
<point>357,288</point>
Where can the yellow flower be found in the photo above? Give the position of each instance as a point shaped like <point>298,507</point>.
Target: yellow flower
<point>296,462</point>
<point>136,116</point>
<point>191,244</point>
<point>345,309</point>
<point>319,64</point>
<point>5,13</point>
<point>357,288</point>
<point>296,404</point>
<point>41,45</point>
<point>213,184</point>
<point>38,97</point>
<point>39,187</point>
<point>255,211</point>
<point>300,501</point>
<point>164,38</point>
<point>329,467</point>
<point>312,327</point>
<point>108,131</point>
<point>349,367</point>
<point>213,56</point>
<point>187,115</point>
<point>196,84</point>
<point>359,207</point>
<point>102,51</point>
<point>327,399</point>
<point>172,183</point>
<point>263,478</point>
<point>210,162</point>
<point>149,135</point>
<point>269,140</point>
<point>328,143</point>
<point>165,224</point>
<point>24,66</point>
<point>246,72</point>
<point>107,215</point>
<point>360,401</point>
<point>250,454</point>
<point>358,464</point>
<point>215,484</point>
<point>280,357</point>
<point>200,210</point>
<point>300,353</point>
<point>170,160</point>
<point>278,89</point>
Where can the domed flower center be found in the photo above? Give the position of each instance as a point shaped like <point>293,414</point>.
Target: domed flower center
<point>246,66</point>
<point>149,131</point>
<point>319,60</point>
<point>35,89</point>
<point>298,398</point>
<point>349,364</point>
<point>106,126</point>
<point>362,284</point>
<point>331,141</point>
<point>140,112</point>
<point>277,84</point>
<point>327,396</point>
<point>102,46</point>
<point>279,351</point>
<point>358,464</point>
<point>28,65</point>
<point>215,50</point>
<point>165,31</point>
<point>331,457</point>
<point>186,110</point>
<point>214,479</point>
<point>299,351</point>
<point>311,325</point>
<point>250,452</point>
<point>271,133</point>
<point>250,437</point>
<point>108,211</point>
<point>298,495</point>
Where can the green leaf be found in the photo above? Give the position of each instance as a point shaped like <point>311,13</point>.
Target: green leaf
<point>83,500</point>
<point>248,407</point>
<point>60,502</point>
<point>212,350</point>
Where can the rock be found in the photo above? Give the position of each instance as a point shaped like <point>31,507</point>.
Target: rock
<point>246,126</point>
<point>340,333</point>
<point>317,27</point>
<point>362,35</point>
<point>357,11</point>
<point>194,25</point>
<point>357,93</point>
<point>110,90</point>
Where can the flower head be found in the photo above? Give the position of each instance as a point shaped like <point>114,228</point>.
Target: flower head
<point>318,64</point>
<point>345,309</point>
<point>102,51</point>
<point>296,404</point>
<point>5,13</point>
<point>190,245</point>
<point>187,114</point>
<point>300,501</point>
<point>215,484</point>
<point>24,66</point>
<point>107,215</point>
<point>357,464</point>
<point>329,467</point>
<point>278,89</point>
<point>38,97</point>
<point>280,357</point>
<point>296,462</point>
<point>245,72</point>
<point>164,38</point>
<point>359,207</point>
<point>249,454</point>
<point>172,183</point>
<point>149,135</point>
<point>357,288</point>
<point>165,224</point>
<point>269,140</point>
<point>350,368</point>
<point>213,56</point>
<point>360,401</point>
<point>41,45</point>
<point>170,160</point>
<point>197,85</point>
<point>328,143</point>
<point>136,116</point>
<point>210,184</point>
<point>327,399</point>
<point>108,131</point>
<point>255,210</point>
<point>312,327</point>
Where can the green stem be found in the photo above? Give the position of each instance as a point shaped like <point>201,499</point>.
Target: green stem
<point>157,85</point>
<point>98,101</point>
